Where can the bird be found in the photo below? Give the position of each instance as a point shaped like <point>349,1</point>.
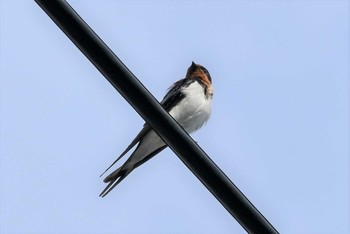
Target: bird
<point>188,101</point>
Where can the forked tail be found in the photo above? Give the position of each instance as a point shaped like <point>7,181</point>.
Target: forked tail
<point>115,178</point>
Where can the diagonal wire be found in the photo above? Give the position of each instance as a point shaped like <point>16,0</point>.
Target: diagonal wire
<point>151,111</point>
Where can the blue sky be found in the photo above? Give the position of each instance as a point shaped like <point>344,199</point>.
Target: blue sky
<point>279,127</point>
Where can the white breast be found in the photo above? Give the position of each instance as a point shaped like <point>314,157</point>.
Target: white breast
<point>194,110</point>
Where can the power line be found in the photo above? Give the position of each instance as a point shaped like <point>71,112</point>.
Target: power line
<point>151,111</point>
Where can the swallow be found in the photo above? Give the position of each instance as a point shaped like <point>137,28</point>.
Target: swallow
<point>188,101</point>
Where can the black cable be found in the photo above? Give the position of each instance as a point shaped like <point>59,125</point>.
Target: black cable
<point>151,111</point>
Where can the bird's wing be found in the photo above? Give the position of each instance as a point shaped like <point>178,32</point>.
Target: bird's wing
<point>171,99</point>
<point>175,94</point>
<point>146,128</point>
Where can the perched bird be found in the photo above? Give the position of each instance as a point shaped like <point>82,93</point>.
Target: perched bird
<point>188,101</point>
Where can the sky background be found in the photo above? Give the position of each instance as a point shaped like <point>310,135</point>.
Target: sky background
<point>279,126</point>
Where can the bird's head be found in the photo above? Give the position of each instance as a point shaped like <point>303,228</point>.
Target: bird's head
<point>196,70</point>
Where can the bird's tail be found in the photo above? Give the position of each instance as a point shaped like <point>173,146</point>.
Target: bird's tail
<point>116,177</point>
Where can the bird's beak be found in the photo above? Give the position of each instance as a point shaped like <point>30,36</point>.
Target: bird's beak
<point>193,65</point>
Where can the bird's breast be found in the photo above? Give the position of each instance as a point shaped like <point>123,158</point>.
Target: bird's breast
<point>194,109</point>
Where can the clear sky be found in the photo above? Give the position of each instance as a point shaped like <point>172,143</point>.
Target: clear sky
<point>279,126</point>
